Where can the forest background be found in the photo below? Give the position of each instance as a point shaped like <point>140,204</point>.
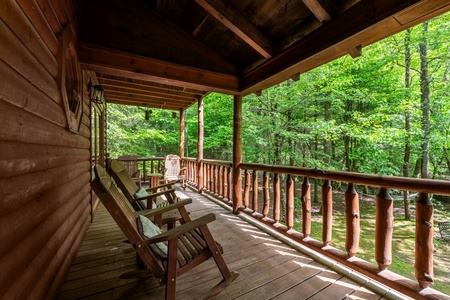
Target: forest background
<point>386,112</point>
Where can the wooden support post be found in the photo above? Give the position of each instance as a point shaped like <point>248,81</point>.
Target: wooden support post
<point>200,146</point>
<point>246,188</point>
<point>306,208</point>
<point>276,197</point>
<point>424,241</point>
<point>237,153</point>
<point>182,131</point>
<point>327,212</point>
<point>383,229</point>
<point>289,202</point>
<point>266,194</point>
<point>255,191</point>
<point>352,220</point>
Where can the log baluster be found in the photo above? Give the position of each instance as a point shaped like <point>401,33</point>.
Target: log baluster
<point>266,193</point>
<point>230,185</point>
<point>352,220</point>
<point>220,189</point>
<point>289,202</point>
<point>209,178</point>
<point>152,167</point>
<point>383,229</point>
<point>205,176</point>
<point>306,208</point>
<point>216,180</point>
<point>255,191</point>
<point>327,212</point>
<point>246,188</point>
<point>276,197</point>
<point>144,170</point>
<point>225,183</point>
<point>424,248</point>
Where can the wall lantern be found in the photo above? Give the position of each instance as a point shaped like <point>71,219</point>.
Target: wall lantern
<point>96,93</point>
<point>174,115</point>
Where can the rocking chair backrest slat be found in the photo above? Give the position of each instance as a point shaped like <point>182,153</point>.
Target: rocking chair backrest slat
<point>124,217</point>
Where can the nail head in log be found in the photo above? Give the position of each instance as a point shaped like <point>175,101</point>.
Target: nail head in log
<point>383,229</point>
<point>424,241</point>
<point>352,220</point>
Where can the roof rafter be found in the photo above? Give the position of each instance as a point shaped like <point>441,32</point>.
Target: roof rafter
<point>228,16</point>
<point>318,10</point>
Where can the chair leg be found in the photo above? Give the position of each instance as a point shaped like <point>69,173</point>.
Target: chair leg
<point>171,271</point>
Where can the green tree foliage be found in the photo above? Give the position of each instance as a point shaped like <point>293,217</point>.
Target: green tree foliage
<point>129,132</point>
<point>346,115</point>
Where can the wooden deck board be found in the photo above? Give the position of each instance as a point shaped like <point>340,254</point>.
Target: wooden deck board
<point>268,268</point>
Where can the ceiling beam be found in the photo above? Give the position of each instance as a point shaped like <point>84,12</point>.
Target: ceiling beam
<point>164,88</point>
<point>318,10</point>
<point>234,21</point>
<point>375,19</point>
<point>145,104</point>
<point>124,64</point>
<point>127,88</point>
<point>148,102</point>
<point>124,94</point>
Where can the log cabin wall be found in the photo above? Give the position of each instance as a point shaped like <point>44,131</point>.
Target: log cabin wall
<point>45,160</point>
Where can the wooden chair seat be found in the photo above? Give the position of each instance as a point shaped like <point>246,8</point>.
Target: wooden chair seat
<point>188,245</point>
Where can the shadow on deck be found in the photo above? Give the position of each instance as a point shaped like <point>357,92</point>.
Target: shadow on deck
<point>268,268</point>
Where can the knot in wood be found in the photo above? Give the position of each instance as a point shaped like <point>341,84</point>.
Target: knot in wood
<point>428,224</point>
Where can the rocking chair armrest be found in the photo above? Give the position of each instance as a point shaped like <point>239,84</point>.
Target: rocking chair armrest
<point>183,169</point>
<point>151,196</point>
<point>178,231</point>
<point>160,210</point>
<point>169,185</point>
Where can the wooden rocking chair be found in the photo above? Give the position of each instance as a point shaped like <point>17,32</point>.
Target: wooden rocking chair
<point>173,172</point>
<point>142,199</point>
<point>131,165</point>
<point>188,245</point>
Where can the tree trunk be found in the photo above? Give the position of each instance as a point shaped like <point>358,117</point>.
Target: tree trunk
<point>407,152</point>
<point>425,100</point>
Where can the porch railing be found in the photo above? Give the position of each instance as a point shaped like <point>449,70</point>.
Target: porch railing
<point>149,166</point>
<point>262,199</point>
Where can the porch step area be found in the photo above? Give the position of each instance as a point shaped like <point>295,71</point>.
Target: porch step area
<point>268,268</point>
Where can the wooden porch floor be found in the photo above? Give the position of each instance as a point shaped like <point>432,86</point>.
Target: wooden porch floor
<point>268,268</point>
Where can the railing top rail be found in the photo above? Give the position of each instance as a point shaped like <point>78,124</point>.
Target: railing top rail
<point>192,159</point>
<point>150,158</point>
<point>217,162</point>
<point>441,187</point>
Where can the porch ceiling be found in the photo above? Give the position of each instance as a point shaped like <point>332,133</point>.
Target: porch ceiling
<point>168,54</point>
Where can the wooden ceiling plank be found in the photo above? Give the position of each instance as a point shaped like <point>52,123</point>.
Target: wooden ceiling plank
<point>140,96</point>
<point>234,21</point>
<point>145,92</point>
<point>367,20</point>
<point>153,85</point>
<point>318,10</point>
<point>148,103</point>
<point>125,64</point>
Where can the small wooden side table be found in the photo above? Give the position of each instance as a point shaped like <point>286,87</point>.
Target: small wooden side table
<point>154,179</point>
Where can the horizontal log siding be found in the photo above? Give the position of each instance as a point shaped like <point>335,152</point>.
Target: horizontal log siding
<point>45,169</point>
